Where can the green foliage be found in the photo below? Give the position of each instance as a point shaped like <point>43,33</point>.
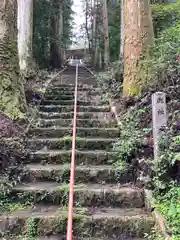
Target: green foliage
<point>169,205</point>
<point>68,20</point>
<point>31,228</point>
<point>111,80</point>
<point>165,190</point>
<point>13,153</point>
<point>42,29</point>
<point>114,29</point>
<point>5,189</point>
<point>6,201</point>
<point>168,156</point>
<point>154,235</point>
<point>161,67</point>
<point>165,15</point>
<point>131,138</point>
<point>129,142</point>
<point>105,98</point>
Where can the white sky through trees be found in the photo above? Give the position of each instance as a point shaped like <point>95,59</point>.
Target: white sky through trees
<point>79,19</point>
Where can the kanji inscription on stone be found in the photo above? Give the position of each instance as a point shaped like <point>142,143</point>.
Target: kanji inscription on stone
<point>159,117</point>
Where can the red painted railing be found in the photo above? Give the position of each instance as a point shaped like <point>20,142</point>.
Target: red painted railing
<point>72,167</point>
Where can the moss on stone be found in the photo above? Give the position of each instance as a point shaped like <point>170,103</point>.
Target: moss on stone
<point>12,98</point>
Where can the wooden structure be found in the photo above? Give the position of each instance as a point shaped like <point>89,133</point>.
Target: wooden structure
<point>79,53</point>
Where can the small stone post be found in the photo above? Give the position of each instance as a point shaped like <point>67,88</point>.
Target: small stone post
<point>159,117</point>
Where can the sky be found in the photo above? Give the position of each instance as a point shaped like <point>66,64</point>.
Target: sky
<point>78,20</point>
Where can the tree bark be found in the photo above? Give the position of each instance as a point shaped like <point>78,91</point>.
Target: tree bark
<point>61,29</point>
<point>55,47</point>
<point>122,30</point>
<point>94,34</point>
<point>12,96</point>
<point>106,34</point>
<point>138,35</point>
<point>87,10</point>
<point>25,32</point>
<point>100,60</point>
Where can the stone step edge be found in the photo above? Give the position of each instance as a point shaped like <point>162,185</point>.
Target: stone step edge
<point>53,237</point>
<point>78,119</point>
<point>105,107</point>
<point>82,139</point>
<point>84,219</point>
<point>78,128</point>
<point>72,101</point>
<point>90,213</point>
<point>97,188</point>
<point>50,151</point>
<point>84,173</point>
<point>88,195</point>
<point>68,87</point>
<point>79,114</point>
<point>59,167</point>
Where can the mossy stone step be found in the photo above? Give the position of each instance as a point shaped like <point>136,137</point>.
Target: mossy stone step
<point>65,143</point>
<point>65,108</point>
<point>89,238</point>
<point>120,237</point>
<point>81,95</point>
<point>60,97</point>
<point>80,122</point>
<point>70,95</point>
<point>88,195</point>
<point>71,102</point>
<point>80,115</point>
<point>90,89</point>
<point>83,174</point>
<point>50,237</point>
<point>22,237</point>
<point>98,222</point>
<point>72,85</point>
<point>80,132</point>
<point>82,157</point>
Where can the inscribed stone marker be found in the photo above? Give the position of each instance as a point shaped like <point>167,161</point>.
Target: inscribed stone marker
<point>159,117</point>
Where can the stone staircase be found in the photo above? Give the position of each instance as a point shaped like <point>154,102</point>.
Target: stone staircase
<point>107,206</point>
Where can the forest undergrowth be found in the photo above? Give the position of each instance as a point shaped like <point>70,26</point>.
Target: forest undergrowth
<point>13,135</point>
<point>161,72</point>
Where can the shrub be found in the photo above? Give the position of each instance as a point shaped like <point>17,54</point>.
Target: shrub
<point>164,15</point>
<point>161,66</point>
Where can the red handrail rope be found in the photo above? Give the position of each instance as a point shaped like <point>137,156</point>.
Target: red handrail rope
<point>72,168</point>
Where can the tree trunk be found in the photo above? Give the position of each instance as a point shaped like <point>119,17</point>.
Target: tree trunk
<point>100,60</point>
<point>106,34</point>
<point>94,42</point>
<point>86,24</point>
<point>138,35</point>
<point>12,96</point>
<point>122,30</point>
<point>55,60</point>
<point>61,45</point>
<point>25,31</point>
<point>96,50</point>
